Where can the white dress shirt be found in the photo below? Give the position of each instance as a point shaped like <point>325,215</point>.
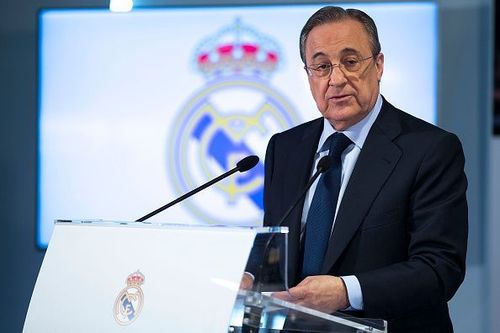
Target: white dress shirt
<point>357,134</point>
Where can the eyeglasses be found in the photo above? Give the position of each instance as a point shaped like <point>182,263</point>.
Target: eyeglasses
<point>351,64</point>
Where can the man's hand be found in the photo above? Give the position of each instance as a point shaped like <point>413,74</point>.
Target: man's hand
<point>246,282</point>
<point>322,292</point>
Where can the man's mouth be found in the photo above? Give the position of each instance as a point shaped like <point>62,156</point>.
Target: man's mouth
<point>339,98</point>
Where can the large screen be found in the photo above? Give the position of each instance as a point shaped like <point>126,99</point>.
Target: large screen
<point>138,108</point>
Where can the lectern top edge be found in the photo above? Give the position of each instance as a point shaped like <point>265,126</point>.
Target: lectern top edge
<point>112,223</point>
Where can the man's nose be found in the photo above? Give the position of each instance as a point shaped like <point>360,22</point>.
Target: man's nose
<point>337,76</point>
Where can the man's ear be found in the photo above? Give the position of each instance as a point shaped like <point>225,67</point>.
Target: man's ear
<point>379,64</point>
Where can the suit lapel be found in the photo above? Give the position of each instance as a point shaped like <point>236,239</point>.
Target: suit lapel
<point>375,163</point>
<point>299,163</point>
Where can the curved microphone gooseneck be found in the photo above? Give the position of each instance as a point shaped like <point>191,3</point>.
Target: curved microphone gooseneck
<point>244,165</point>
<point>324,165</point>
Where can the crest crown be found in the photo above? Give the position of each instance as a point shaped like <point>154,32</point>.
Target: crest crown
<point>135,279</point>
<point>237,50</point>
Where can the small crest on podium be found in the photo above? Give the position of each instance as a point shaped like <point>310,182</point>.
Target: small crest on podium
<point>130,300</point>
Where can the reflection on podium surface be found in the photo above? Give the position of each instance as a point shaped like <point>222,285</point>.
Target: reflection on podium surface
<point>256,311</point>
<point>268,261</point>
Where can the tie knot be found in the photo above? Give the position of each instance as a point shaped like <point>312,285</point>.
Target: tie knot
<point>337,143</point>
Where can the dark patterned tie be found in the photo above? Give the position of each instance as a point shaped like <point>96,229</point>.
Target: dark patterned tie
<point>322,211</point>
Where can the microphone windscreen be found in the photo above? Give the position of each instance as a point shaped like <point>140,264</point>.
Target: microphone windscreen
<point>247,163</point>
<point>324,163</point>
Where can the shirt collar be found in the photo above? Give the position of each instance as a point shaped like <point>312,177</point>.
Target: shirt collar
<point>358,132</point>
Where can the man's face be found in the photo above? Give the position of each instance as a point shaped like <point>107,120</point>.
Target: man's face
<point>344,98</point>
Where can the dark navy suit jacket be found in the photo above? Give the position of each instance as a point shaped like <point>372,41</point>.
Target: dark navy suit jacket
<point>401,227</point>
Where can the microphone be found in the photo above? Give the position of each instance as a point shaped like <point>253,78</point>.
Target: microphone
<point>247,163</point>
<point>324,165</point>
<point>253,309</point>
<point>244,165</point>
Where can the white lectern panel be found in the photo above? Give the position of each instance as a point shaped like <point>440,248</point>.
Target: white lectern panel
<point>190,278</point>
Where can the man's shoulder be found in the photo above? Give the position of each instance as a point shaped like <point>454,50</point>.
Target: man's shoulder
<point>411,129</point>
<point>408,123</point>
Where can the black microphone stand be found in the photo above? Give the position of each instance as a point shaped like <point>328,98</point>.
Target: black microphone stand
<point>244,165</point>
<point>324,165</point>
<point>253,305</point>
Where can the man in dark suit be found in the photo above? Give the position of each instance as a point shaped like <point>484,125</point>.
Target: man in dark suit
<point>392,207</point>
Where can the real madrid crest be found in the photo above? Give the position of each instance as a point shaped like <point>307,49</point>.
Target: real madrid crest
<point>231,117</point>
<point>130,300</point>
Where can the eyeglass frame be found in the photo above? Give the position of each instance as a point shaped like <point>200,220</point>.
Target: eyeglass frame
<point>310,70</point>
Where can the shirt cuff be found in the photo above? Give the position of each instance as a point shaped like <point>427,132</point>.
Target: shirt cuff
<point>353,292</point>
<point>250,275</point>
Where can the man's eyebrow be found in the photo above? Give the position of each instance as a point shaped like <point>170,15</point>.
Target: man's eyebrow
<point>318,54</point>
<point>345,51</point>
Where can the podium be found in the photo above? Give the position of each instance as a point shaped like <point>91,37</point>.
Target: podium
<point>105,276</point>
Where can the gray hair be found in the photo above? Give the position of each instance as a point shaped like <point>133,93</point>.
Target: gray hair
<point>331,14</point>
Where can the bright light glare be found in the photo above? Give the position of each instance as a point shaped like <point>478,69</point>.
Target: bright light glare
<point>121,6</point>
